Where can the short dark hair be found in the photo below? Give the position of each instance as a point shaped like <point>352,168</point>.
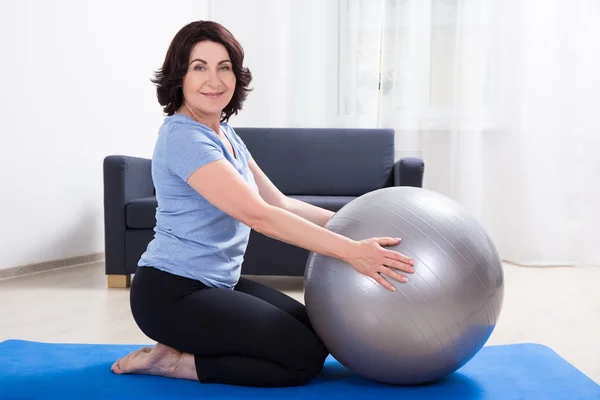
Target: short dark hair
<point>169,78</point>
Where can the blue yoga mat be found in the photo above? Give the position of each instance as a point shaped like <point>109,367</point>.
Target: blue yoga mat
<point>33,370</point>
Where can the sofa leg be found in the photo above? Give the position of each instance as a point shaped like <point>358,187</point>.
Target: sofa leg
<point>119,281</point>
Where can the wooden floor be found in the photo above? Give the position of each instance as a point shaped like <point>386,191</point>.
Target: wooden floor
<point>557,307</point>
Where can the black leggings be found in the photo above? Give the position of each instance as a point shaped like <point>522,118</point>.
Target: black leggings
<point>252,336</point>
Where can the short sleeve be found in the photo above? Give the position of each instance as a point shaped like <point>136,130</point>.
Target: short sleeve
<point>188,150</point>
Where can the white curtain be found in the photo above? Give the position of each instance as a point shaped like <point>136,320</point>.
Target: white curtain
<point>499,97</point>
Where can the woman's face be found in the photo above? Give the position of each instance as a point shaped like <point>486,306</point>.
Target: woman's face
<point>209,83</point>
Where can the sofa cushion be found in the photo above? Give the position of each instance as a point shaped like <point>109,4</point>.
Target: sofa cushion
<point>332,203</point>
<point>141,213</point>
<point>329,162</point>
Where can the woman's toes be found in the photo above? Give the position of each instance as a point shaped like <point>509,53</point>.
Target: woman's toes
<point>136,361</point>
<point>115,367</point>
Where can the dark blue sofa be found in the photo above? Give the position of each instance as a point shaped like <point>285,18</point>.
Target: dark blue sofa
<point>325,167</point>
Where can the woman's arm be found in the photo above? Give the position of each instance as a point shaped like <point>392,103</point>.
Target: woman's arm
<point>314,214</point>
<point>220,184</point>
<point>273,196</point>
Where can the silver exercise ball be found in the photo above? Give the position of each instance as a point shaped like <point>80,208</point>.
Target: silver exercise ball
<point>433,324</point>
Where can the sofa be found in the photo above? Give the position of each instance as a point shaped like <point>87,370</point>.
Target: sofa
<point>325,167</point>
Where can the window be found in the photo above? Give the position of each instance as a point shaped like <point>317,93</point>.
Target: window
<point>414,61</point>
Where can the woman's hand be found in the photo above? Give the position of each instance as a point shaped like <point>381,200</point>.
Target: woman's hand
<point>370,258</point>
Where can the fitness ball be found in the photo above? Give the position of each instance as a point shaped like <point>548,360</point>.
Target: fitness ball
<point>431,325</point>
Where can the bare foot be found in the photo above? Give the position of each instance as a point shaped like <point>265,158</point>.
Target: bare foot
<point>159,360</point>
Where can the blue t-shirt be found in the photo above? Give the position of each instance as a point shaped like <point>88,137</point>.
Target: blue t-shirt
<point>192,237</point>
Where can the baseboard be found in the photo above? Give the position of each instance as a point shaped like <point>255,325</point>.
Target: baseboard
<point>49,265</point>
<point>538,264</point>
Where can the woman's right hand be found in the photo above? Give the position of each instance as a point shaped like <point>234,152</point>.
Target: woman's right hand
<point>370,258</point>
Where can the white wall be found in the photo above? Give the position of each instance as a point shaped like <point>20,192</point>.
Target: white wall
<point>74,87</point>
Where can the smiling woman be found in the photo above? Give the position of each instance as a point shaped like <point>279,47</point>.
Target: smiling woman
<point>210,323</point>
<point>204,62</point>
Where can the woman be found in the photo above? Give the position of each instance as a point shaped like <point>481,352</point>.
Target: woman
<point>210,324</point>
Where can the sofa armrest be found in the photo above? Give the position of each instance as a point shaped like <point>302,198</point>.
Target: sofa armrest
<point>125,178</point>
<point>409,171</point>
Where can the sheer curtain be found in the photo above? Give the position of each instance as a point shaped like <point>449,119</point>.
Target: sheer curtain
<point>499,98</point>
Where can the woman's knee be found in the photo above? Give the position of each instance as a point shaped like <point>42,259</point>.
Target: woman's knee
<point>311,365</point>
